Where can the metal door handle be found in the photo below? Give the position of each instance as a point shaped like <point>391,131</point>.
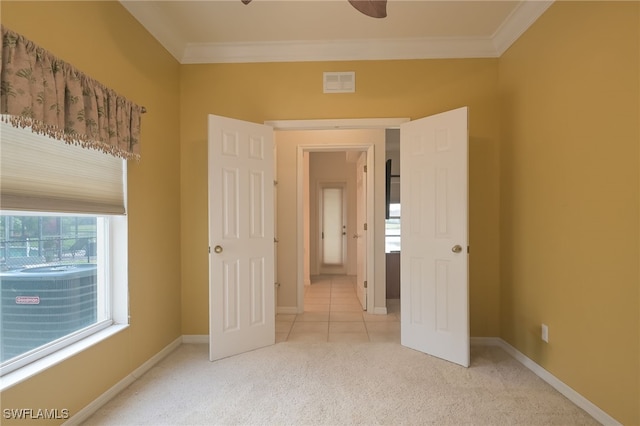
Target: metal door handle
<point>217,249</point>
<point>456,249</point>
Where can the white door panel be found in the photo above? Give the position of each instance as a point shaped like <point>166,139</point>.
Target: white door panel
<point>434,260</point>
<point>241,237</point>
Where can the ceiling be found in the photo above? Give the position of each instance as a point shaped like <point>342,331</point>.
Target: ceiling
<point>223,31</point>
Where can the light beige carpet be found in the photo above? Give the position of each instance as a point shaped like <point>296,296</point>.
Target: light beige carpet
<point>338,384</point>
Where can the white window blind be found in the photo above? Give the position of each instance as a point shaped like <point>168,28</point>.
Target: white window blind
<point>42,174</point>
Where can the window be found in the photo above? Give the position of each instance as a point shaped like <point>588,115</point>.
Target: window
<point>63,246</point>
<point>392,229</point>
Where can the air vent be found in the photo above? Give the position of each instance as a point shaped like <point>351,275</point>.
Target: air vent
<point>339,82</point>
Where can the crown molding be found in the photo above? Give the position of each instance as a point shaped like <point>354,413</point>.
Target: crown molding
<point>517,23</point>
<point>339,50</point>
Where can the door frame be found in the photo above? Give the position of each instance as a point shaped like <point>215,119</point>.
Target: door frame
<point>368,148</point>
<point>329,124</point>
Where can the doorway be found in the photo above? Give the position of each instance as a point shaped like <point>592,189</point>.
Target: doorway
<point>331,220</point>
<point>348,151</point>
<point>334,216</point>
<point>295,140</point>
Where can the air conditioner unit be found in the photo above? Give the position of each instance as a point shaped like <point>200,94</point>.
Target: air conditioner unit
<point>42,304</point>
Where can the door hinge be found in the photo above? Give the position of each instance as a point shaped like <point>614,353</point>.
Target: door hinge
<point>365,226</point>
<point>468,249</point>
<point>365,284</point>
<point>365,169</point>
<point>275,183</point>
<point>209,249</point>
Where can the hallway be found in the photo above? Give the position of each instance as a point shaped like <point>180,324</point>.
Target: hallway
<point>332,313</point>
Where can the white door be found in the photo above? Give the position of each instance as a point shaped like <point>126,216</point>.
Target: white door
<point>333,231</point>
<point>434,261</point>
<point>241,259</point>
<point>361,233</point>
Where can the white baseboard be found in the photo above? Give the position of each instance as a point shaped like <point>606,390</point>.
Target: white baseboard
<point>582,402</point>
<point>287,310</point>
<point>195,338</point>
<point>380,311</point>
<point>97,403</point>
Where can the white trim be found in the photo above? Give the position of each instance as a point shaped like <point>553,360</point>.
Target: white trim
<point>338,123</point>
<point>339,50</point>
<point>524,15</point>
<point>287,310</point>
<point>579,400</point>
<point>97,403</point>
<point>119,264</point>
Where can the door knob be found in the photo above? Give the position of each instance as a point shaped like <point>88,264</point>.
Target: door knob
<point>456,249</point>
<point>217,249</point>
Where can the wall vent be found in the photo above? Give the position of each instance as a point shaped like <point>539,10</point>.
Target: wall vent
<point>339,82</point>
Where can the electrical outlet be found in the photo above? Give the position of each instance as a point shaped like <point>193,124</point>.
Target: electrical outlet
<point>545,333</point>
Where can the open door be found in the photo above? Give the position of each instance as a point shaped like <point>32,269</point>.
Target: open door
<point>361,232</point>
<point>241,237</point>
<point>434,263</point>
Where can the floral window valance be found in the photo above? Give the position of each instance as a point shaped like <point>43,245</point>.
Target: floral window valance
<point>53,98</point>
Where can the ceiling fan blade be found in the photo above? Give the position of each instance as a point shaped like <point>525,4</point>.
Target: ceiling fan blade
<point>373,8</point>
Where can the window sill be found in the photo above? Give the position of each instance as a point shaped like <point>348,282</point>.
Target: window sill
<point>37,367</point>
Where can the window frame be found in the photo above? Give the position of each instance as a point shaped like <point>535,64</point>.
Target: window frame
<point>116,278</point>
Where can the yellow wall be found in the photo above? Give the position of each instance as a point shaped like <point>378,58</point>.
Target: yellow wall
<point>554,198</point>
<point>285,91</point>
<point>103,40</point>
<point>570,199</point>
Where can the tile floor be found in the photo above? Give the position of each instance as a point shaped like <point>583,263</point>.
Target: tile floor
<point>332,313</point>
